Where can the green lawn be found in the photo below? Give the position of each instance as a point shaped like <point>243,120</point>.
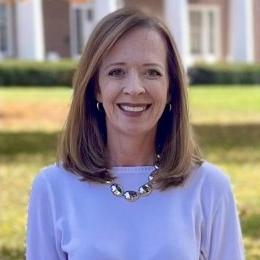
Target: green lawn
<point>33,94</point>
<point>223,105</point>
<point>226,122</point>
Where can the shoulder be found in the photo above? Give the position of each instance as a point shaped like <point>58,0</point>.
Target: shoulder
<point>211,182</point>
<point>212,176</point>
<point>53,176</point>
<point>50,173</point>
<point>52,170</point>
<point>221,234</point>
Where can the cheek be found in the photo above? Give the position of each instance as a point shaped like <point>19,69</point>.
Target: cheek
<point>103,90</point>
<point>161,93</point>
<point>98,92</point>
<point>108,96</point>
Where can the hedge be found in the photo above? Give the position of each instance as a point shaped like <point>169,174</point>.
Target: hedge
<point>224,74</point>
<point>21,73</point>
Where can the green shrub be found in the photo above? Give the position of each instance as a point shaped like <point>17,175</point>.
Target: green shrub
<point>224,74</point>
<point>22,73</point>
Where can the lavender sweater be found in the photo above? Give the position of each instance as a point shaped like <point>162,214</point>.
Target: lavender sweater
<point>70,219</point>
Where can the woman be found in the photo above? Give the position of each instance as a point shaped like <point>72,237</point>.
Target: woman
<point>129,182</point>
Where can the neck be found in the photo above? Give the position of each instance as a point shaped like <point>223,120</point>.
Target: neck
<point>131,150</point>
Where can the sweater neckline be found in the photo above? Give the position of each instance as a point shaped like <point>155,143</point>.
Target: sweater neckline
<point>132,169</point>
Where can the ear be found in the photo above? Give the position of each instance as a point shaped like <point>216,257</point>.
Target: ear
<point>98,93</point>
<point>98,96</point>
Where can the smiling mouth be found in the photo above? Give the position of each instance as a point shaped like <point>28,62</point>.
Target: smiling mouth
<point>134,107</point>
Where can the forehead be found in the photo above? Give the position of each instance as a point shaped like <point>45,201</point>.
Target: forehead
<point>138,45</point>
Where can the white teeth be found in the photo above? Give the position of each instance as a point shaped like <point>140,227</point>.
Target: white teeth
<point>133,109</point>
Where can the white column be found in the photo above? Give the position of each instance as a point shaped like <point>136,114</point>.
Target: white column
<point>177,19</point>
<point>241,31</point>
<point>30,30</point>
<point>102,8</point>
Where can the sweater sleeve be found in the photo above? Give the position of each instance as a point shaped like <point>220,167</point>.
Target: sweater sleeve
<point>224,238</point>
<point>41,242</point>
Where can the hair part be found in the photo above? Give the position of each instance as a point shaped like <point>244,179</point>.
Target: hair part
<point>82,147</point>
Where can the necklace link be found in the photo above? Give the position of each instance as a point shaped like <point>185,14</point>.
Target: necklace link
<point>144,190</point>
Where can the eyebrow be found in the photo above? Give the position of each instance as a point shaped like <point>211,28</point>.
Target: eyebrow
<point>146,65</point>
<point>114,64</point>
<point>154,64</point>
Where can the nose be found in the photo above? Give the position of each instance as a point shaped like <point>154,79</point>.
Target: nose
<point>133,84</point>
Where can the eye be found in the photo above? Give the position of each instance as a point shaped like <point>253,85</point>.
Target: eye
<point>153,73</point>
<point>116,72</point>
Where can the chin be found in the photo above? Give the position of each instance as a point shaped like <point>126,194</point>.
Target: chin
<point>136,130</point>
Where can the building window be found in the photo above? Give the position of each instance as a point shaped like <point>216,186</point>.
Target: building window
<point>212,32</point>
<point>120,3</point>
<point>78,27</point>
<point>204,32</point>
<point>89,15</point>
<point>3,29</point>
<point>195,32</point>
<point>82,23</point>
<point>6,34</point>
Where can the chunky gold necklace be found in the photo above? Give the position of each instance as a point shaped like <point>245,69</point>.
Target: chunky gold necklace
<point>143,190</point>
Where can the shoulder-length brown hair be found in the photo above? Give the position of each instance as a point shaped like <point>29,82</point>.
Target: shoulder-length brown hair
<point>82,148</point>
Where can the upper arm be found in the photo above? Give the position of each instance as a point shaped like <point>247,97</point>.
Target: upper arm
<point>41,241</point>
<point>223,238</point>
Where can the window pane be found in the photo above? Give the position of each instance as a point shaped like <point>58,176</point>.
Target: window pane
<point>89,15</point>
<point>196,32</point>
<point>3,28</point>
<point>79,30</point>
<point>211,36</point>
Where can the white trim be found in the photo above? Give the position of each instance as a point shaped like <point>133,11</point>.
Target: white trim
<point>102,8</point>
<point>241,31</point>
<point>177,17</point>
<point>30,35</point>
<point>252,26</point>
<point>206,56</point>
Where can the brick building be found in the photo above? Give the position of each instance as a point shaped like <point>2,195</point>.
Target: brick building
<point>205,30</point>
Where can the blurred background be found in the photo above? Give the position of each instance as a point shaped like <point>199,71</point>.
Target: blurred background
<point>40,44</point>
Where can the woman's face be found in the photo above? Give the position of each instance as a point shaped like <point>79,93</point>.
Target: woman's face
<point>133,83</point>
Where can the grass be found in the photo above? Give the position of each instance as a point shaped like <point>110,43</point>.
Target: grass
<point>226,122</point>
<point>32,94</point>
<point>32,109</point>
<point>224,105</point>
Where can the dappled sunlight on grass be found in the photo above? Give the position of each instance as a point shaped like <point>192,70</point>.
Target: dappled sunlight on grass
<point>230,143</point>
<point>19,143</point>
<point>252,248</point>
<point>16,176</point>
<point>33,116</point>
<point>11,253</point>
<point>26,147</point>
<point>33,109</point>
